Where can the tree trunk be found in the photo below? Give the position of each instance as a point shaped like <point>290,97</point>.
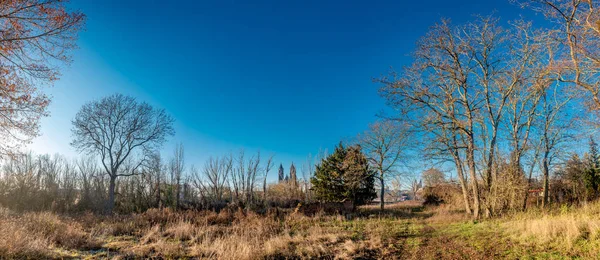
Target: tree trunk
<point>489,174</point>
<point>110,205</point>
<point>382,202</point>
<point>545,171</point>
<point>461,175</point>
<point>265,189</point>
<point>535,158</point>
<point>463,185</point>
<point>490,162</point>
<point>177,192</point>
<point>158,200</point>
<point>473,174</point>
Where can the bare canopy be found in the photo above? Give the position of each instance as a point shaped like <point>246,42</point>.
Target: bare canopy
<point>385,144</point>
<point>115,128</point>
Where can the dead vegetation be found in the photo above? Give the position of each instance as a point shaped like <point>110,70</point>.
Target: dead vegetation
<point>34,235</point>
<point>564,229</point>
<point>404,231</point>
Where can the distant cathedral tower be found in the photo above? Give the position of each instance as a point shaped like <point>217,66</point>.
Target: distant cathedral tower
<point>281,177</point>
<point>293,174</point>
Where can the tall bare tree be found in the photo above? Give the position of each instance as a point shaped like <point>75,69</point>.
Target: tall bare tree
<point>553,130</point>
<point>458,92</point>
<point>578,35</point>
<point>436,91</point>
<point>87,168</point>
<point>268,167</point>
<point>116,128</point>
<point>155,168</point>
<point>432,177</point>
<point>217,172</point>
<point>243,177</point>
<point>177,168</point>
<point>308,171</point>
<point>384,145</point>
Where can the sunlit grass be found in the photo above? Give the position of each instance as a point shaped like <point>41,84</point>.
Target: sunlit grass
<point>434,233</point>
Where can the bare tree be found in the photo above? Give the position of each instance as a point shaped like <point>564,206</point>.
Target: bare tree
<point>87,169</point>
<point>436,92</point>
<point>384,144</point>
<point>217,172</point>
<point>578,35</point>
<point>553,131</point>
<point>308,171</point>
<point>396,182</point>
<point>415,186</point>
<point>243,177</point>
<point>432,177</point>
<point>155,169</point>
<point>177,168</point>
<point>267,169</point>
<point>446,145</point>
<point>251,175</point>
<point>117,127</point>
<point>458,93</point>
<point>36,37</point>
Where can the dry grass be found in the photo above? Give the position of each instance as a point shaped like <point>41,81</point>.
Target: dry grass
<point>444,215</point>
<point>565,228</point>
<point>401,232</point>
<point>35,235</point>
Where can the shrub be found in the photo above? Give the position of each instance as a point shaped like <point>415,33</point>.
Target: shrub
<point>445,193</point>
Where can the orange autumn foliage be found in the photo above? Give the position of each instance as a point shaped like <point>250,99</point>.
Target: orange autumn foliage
<point>35,39</point>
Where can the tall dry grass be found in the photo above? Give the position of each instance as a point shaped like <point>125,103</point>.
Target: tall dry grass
<point>234,234</point>
<point>37,235</point>
<point>229,234</point>
<point>563,228</point>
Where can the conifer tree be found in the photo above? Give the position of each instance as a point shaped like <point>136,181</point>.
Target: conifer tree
<point>328,181</point>
<point>344,175</point>
<point>359,179</point>
<point>591,176</point>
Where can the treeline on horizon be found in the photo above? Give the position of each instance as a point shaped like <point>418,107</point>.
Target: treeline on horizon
<point>43,182</point>
<point>502,103</point>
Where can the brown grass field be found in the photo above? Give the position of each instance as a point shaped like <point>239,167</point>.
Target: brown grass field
<point>404,231</point>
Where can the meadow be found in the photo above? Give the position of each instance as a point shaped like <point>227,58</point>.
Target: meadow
<point>485,120</point>
<point>403,231</point>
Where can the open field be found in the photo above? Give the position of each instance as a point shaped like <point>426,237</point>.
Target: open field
<point>405,231</point>
<point>271,129</point>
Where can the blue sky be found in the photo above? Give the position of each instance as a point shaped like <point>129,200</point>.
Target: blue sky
<point>283,77</point>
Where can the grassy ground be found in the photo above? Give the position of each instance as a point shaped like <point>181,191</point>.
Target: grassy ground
<point>404,231</point>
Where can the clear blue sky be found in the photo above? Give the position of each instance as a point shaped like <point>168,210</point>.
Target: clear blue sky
<point>283,77</point>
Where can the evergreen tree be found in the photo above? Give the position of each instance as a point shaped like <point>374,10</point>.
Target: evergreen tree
<point>591,176</point>
<point>594,156</point>
<point>344,175</point>
<point>359,179</point>
<point>328,181</point>
<point>574,173</point>
<point>281,172</point>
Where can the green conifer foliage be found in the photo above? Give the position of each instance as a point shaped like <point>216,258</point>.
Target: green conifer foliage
<point>344,175</point>
<point>591,177</point>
